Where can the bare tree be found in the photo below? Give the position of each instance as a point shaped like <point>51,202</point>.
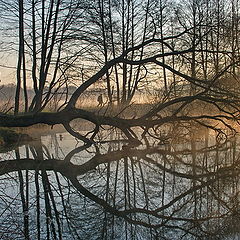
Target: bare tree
<point>58,47</point>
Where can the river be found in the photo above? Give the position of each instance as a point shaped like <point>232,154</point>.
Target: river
<point>58,188</point>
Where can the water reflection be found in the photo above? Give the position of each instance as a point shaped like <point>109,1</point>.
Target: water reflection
<point>112,191</point>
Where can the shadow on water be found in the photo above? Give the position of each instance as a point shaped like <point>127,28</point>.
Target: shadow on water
<point>110,191</point>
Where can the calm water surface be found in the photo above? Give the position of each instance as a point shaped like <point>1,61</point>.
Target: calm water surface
<point>57,188</point>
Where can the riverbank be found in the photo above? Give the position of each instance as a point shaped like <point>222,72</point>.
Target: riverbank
<point>12,136</point>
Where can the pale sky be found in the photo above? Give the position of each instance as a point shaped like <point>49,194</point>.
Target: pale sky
<point>7,69</point>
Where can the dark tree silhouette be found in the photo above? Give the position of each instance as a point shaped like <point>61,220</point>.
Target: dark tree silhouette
<point>60,41</point>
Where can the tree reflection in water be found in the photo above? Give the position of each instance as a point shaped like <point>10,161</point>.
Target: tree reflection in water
<point>112,191</point>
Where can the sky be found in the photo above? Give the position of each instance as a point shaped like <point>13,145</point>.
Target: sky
<point>7,76</point>
<point>7,69</point>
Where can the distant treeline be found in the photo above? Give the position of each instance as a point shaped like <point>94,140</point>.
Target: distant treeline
<point>7,91</point>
